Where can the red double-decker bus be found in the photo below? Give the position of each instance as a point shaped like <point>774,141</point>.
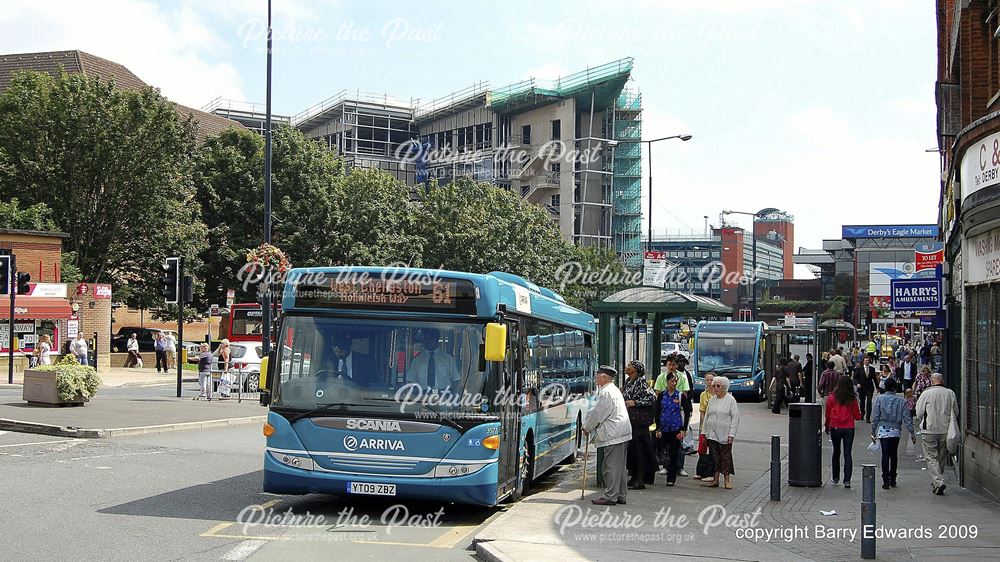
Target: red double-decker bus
<point>245,322</point>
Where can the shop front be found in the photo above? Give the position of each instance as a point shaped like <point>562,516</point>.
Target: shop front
<point>34,317</point>
<point>972,216</point>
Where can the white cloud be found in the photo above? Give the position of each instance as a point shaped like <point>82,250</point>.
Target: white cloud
<point>171,48</point>
<point>820,126</point>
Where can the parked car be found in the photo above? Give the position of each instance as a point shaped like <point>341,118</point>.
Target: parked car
<point>245,358</point>
<point>669,348</point>
<point>145,336</point>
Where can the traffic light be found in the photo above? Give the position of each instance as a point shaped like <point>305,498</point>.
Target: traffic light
<point>22,283</point>
<point>170,288</point>
<point>4,275</point>
<point>188,289</point>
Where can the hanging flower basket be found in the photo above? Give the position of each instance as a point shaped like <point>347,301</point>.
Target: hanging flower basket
<point>269,258</point>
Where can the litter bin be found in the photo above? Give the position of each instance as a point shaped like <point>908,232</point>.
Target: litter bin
<point>805,444</point>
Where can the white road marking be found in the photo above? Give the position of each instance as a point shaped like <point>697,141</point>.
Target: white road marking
<point>243,550</point>
<point>117,455</point>
<point>39,443</point>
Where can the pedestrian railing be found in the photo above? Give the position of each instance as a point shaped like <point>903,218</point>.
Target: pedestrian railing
<point>243,384</point>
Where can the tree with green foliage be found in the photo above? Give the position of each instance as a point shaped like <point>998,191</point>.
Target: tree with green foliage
<point>479,227</point>
<point>115,168</point>
<point>34,217</point>
<point>321,214</point>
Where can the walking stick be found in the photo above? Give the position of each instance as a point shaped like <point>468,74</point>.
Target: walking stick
<point>586,456</point>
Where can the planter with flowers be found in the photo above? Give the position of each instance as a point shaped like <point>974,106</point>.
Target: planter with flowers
<point>64,383</point>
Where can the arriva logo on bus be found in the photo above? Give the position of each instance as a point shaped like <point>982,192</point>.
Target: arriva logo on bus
<point>351,443</point>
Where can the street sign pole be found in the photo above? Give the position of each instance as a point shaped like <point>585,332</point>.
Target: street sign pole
<point>180,323</point>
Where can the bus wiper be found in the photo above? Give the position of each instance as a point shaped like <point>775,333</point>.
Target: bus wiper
<point>729,369</point>
<point>318,409</point>
<point>444,419</point>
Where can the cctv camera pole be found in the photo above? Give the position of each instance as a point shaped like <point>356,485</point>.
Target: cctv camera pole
<point>180,323</point>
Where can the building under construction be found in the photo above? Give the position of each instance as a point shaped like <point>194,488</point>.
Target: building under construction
<point>570,145</point>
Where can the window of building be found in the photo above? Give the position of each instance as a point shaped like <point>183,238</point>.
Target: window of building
<point>525,134</point>
<point>554,168</point>
<point>982,360</point>
<point>524,189</point>
<point>555,201</point>
<point>556,129</point>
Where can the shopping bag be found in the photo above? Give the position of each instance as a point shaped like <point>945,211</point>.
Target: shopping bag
<point>911,448</point>
<point>953,435</point>
<point>702,445</point>
<point>874,447</point>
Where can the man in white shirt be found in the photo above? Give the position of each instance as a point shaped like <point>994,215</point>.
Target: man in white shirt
<point>343,356</point>
<point>608,421</point>
<point>78,347</point>
<point>839,364</point>
<point>433,367</point>
<point>935,409</point>
<point>907,371</point>
<point>171,345</point>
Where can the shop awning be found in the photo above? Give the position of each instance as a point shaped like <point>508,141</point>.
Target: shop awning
<point>28,308</point>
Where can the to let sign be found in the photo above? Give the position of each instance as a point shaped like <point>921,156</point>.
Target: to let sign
<point>927,256</point>
<point>916,294</point>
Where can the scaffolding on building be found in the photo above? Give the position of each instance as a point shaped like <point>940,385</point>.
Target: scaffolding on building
<point>627,178</point>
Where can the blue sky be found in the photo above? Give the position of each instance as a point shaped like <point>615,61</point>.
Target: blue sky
<point>822,109</point>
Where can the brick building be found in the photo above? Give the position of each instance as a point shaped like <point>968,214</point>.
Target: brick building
<point>968,127</point>
<point>50,307</point>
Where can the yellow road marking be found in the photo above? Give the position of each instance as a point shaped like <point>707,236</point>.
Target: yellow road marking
<point>451,538</point>
<point>212,532</point>
<point>249,537</point>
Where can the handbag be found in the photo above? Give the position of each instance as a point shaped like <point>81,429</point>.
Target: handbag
<point>641,415</point>
<point>702,444</point>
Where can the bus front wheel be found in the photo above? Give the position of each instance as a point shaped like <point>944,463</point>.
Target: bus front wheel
<point>527,470</point>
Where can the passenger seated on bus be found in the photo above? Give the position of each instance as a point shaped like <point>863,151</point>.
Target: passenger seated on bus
<point>344,363</point>
<point>432,367</point>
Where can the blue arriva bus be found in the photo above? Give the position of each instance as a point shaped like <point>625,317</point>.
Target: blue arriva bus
<point>423,384</point>
<point>732,349</point>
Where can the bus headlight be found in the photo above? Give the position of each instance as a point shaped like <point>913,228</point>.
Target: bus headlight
<point>750,382</point>
<point>294,461</point>
<point>450,470</point>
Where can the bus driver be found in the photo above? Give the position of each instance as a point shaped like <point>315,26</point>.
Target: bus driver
<point>432,367</point>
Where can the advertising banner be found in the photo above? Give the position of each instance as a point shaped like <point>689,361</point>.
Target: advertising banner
<point>891,231</point>
<point>916,294</point>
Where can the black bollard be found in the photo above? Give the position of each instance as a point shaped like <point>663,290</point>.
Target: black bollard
<point>776,468</point>
<point>868,511</point>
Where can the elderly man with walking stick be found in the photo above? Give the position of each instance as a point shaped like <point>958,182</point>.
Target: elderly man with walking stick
<point>609,423</point>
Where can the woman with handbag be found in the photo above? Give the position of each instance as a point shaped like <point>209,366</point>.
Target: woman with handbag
<point>706,464</point>
<point>640,400</point>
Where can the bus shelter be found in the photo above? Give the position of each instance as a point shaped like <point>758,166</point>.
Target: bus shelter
<point>834,330</point>
<point>630,323</point>
<point>778,345</point>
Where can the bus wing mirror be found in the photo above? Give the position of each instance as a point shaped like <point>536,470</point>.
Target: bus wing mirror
<point>496,342</point>
<point>266,366</point>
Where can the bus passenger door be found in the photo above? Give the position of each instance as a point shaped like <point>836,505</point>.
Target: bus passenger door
<point>510,412</point>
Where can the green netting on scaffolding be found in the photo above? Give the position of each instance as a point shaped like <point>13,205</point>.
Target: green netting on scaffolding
<point>605,81</point>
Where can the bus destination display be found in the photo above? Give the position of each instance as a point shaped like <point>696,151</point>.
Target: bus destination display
<point>430,295</point>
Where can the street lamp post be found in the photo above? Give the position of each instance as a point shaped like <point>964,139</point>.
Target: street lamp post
<point>649,145</point>
<point>753,258</point>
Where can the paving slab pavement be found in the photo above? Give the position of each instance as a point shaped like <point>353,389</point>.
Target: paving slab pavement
<point>152,410</point>
<point>743,524</point>
<point>120,376</point>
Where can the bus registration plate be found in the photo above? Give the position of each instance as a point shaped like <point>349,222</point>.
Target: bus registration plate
<point>370,489</point>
